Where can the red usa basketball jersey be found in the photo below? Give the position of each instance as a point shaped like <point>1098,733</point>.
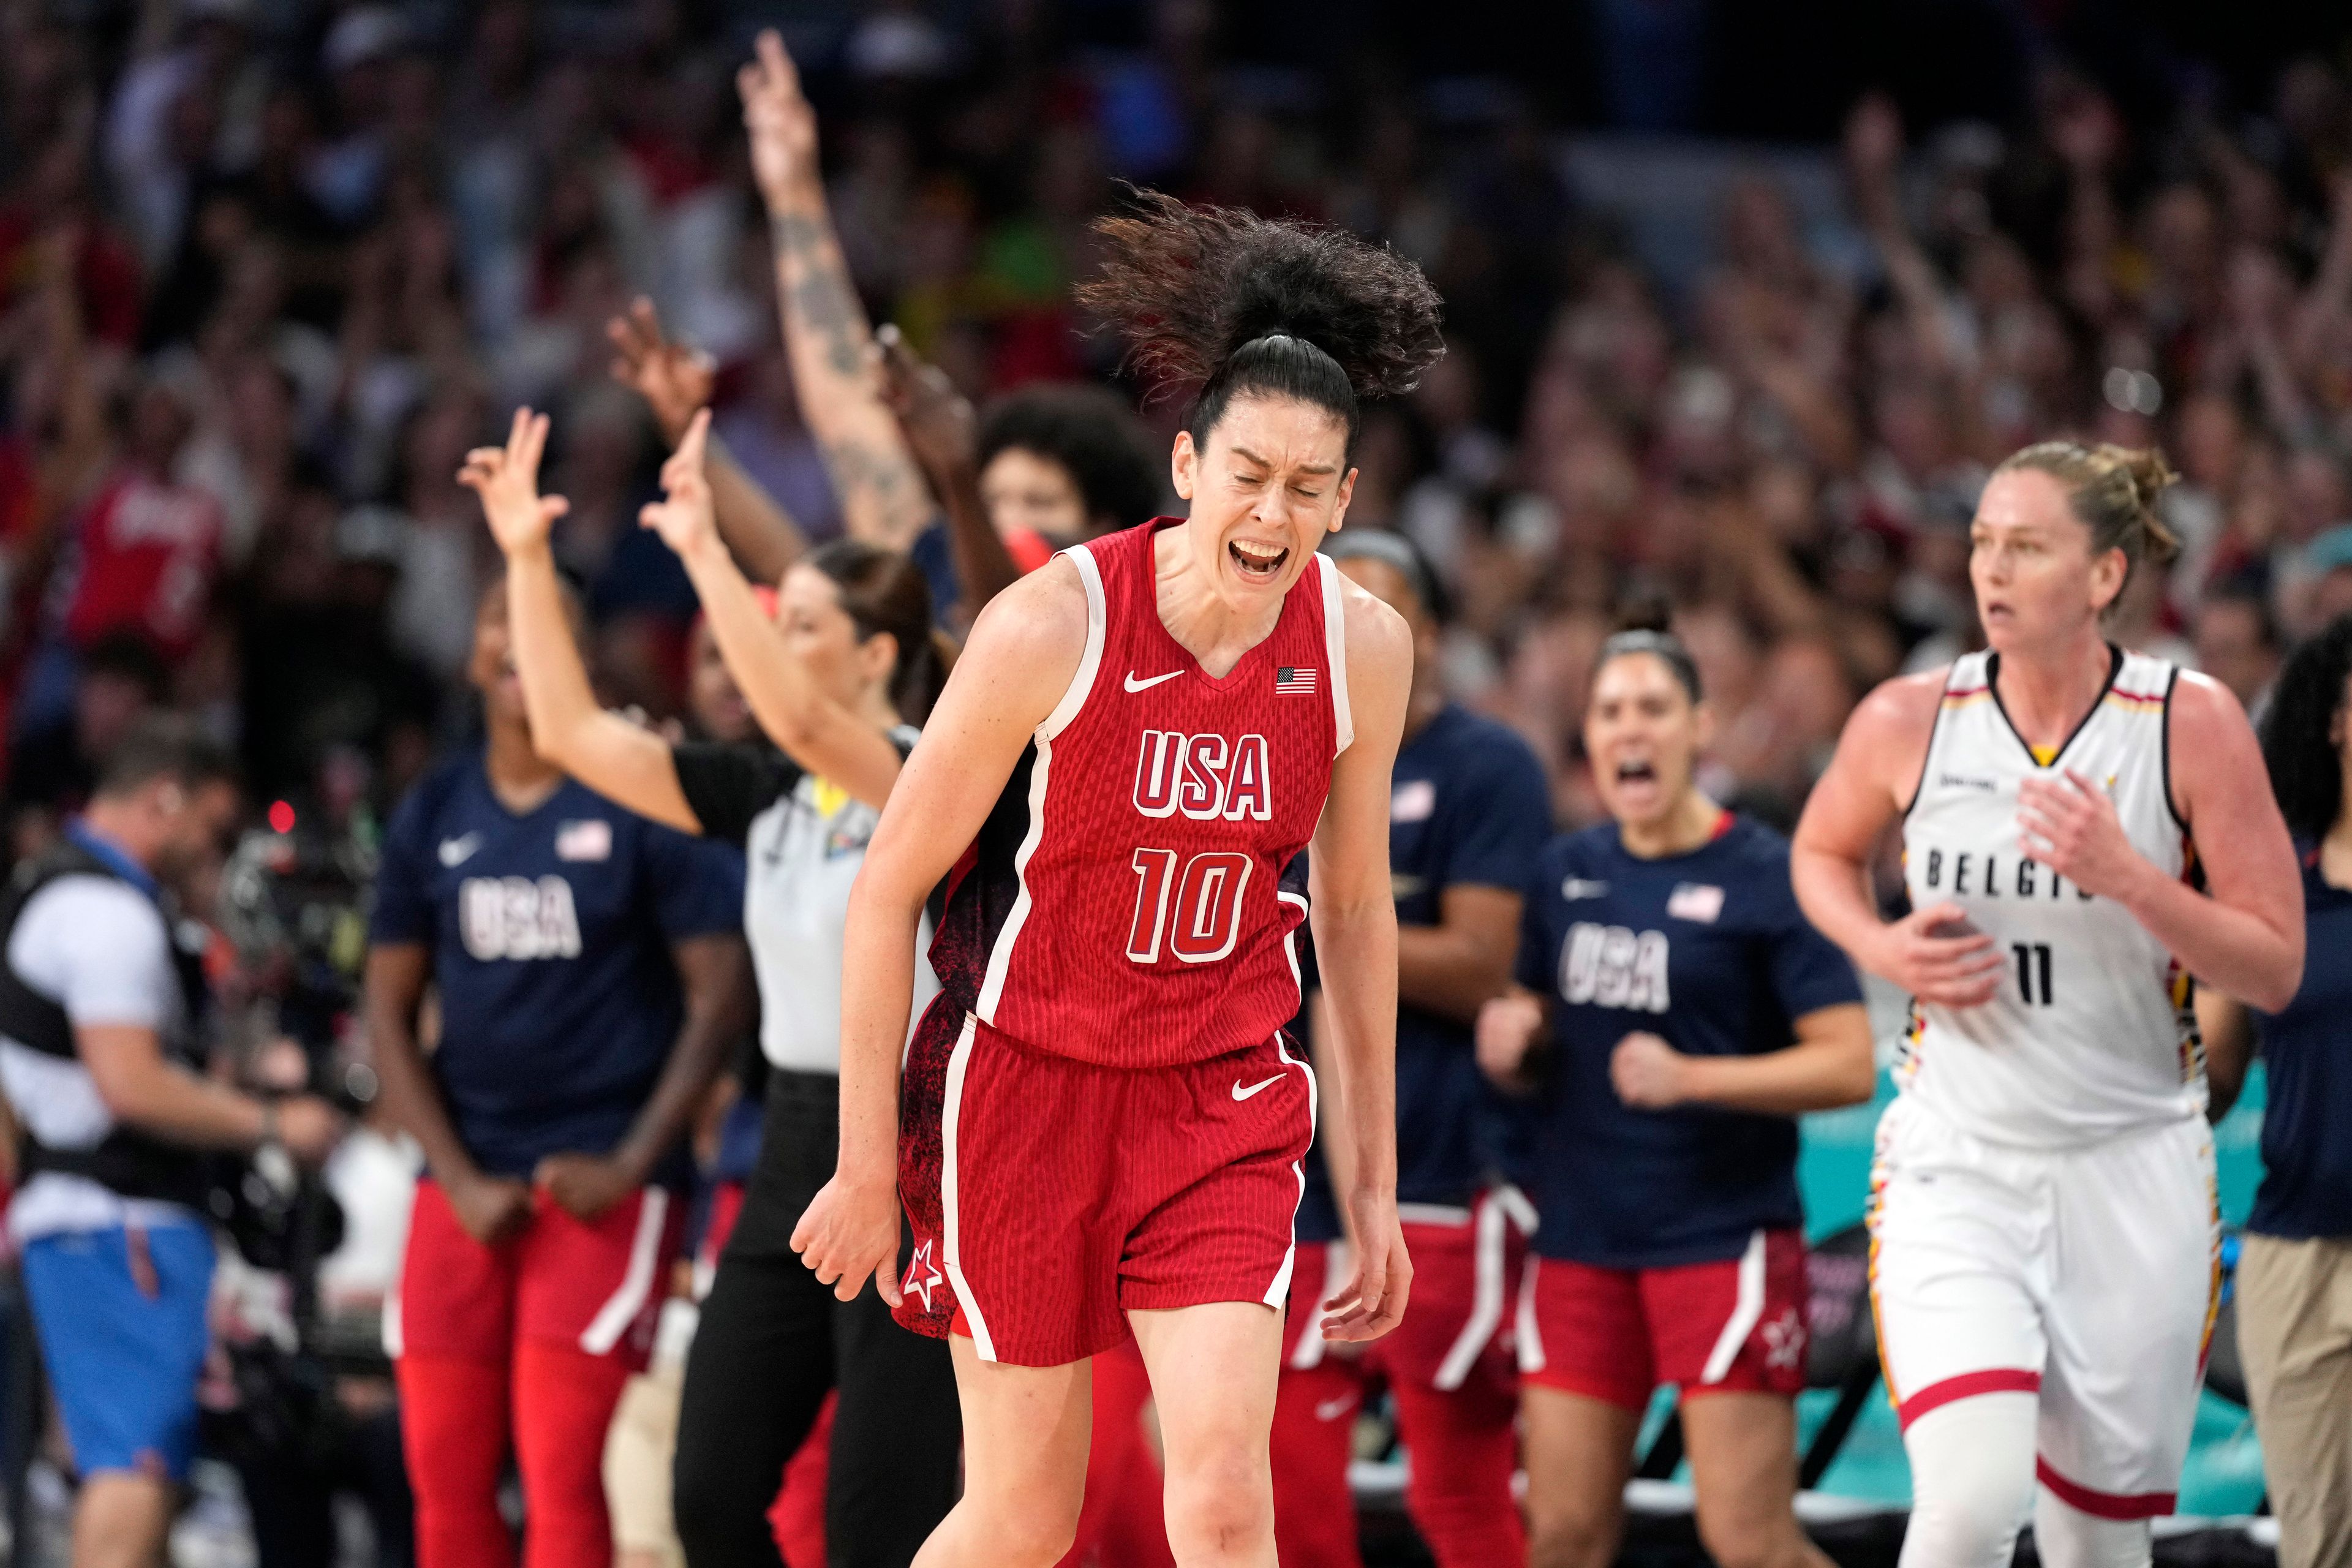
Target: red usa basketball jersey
<point>1125,903</point>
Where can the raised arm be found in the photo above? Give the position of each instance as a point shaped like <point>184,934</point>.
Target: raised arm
<point>1867,787</point>
<point>675,383</point>
<point>825,333</point>
<point>799,715</point>
<point>1353,909</point>
<point>603,751</point>
<point>1014,671</point>
<point>941,428</point>
<point>2243,934</point>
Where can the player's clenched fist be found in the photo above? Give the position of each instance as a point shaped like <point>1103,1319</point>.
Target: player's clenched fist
<point>1506,1032</point>
<point>851,1231</point>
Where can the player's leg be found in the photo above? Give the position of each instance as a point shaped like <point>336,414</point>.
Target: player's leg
<point>2294,1333</point>
<point>1213,1369</point>
<point>2138,1241</point>
<point>1731,1334</point>
<point>1025,1433</point>
<point>1579,1453</point>
<point>451,1337</point>
<point>1954,1233</point>
<point>1122,1521</point>
<point>891,1472</point>
<point>1743,1459</point>
<point>1585,1378</point>
<point>1315,1401</point>
<point>586,1301</point>
<point>1456,1387</point>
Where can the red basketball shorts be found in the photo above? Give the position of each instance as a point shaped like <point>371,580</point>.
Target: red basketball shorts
<point>1615,1334</point>
<point>1048,1197</point>
<point>598,1285</point>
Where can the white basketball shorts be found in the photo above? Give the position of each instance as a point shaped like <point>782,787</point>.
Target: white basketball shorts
<point>2088,1277</point>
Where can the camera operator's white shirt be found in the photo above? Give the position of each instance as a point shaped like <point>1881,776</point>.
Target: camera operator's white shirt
<point>98,947</point>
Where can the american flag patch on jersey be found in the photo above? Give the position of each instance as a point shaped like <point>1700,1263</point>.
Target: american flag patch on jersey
<point>1295,680</point>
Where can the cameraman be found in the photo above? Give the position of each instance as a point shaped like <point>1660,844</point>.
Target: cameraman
<point>101,1056</point>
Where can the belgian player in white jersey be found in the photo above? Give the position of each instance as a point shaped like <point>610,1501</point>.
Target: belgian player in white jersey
<point>2085,829</point>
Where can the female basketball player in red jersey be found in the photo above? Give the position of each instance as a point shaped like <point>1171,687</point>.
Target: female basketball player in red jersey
<point>1101,1119</point>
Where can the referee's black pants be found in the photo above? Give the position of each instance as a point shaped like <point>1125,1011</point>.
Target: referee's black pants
<point>772,1343</point>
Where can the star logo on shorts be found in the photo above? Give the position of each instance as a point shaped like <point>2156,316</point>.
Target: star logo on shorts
<point>1784,1340</point>
<point>923,1276</point>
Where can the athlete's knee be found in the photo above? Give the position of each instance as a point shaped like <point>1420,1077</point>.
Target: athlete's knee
<point>2066,1537</point>
<point>1220,1504</point>
<point>1972,1481</point>
<point>1014,1532</point>
<point>1571,1540</point>
<point>1742,1541</point>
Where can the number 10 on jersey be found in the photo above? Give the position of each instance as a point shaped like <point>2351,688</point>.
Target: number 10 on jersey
<point>1198,913</point>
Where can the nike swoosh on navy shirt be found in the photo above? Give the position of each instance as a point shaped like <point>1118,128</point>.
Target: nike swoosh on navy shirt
<point>458,851</point>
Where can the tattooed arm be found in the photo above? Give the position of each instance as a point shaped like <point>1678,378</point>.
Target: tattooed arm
<point>883,498</point>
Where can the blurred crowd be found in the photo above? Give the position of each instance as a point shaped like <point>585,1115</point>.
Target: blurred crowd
<point>267,270</point>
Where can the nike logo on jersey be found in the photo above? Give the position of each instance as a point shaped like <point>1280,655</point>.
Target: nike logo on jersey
<point>1332,1409</point>
<point>458,851</point>
<point>1241,1093</point>
<point>1135,685</point>
<point>1577,888</point>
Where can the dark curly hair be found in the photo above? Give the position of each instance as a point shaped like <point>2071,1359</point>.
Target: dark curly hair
<point>1094,435</point>
<point>1225,302</point>
<point>2300,739</point>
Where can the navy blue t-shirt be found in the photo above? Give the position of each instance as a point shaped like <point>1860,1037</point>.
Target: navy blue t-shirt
<point>551,934</point>
<point>1709,952</point>
<point>2306,1189</point>
<point>1468,805</point>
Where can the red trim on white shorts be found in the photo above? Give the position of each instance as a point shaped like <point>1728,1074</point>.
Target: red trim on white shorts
<point>1967,1386</point>
<point>2103,1505</point>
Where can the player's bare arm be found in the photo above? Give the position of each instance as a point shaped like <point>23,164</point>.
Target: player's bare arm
<point>619,760</point>
<point>2244,934</point>
<point>1868,785</point>
<point>811,727</point>
<point>1014,671</point>
<point>1827,1065</point>
<point>883,498</point>
<point>1354,914</point>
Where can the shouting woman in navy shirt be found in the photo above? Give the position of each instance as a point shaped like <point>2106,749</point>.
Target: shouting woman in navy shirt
<point>1693,1013</point>
<point>2294,1276</point>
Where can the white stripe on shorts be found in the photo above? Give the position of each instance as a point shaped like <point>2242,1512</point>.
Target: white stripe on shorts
<point>1279,1290</point>
<point>614,1318</point>
<point>957,1060</point>
<point>1745,1313</point>
<point>1531,1352</point>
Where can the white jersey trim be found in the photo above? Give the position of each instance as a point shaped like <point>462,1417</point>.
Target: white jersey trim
<point>1335,648</point>
<point>1000,957</point>
<point>959,1060</point>
<point>1746,1311</point>
<point>1279,1291</point>
<point>621,1308</point>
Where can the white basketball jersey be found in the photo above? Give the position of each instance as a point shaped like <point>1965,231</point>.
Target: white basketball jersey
<point>2090,1033</point>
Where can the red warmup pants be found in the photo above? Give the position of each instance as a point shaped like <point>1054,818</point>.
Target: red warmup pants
<point>1449,1368</point>
<point>524,1345</point>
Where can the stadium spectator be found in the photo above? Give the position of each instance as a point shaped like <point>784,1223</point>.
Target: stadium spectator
<point>105,1038</point>
<point>2294,1271</point>
<point>590,976</point>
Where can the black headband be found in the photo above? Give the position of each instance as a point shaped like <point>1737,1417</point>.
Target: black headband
<point>1664,645</point>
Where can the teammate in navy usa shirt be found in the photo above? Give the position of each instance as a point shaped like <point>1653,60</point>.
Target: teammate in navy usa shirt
<point>1677,1012</point>
<point>591,974</point>
<point>1468,808</point>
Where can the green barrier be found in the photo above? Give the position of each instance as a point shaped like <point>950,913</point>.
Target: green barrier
<point>2224,1473</point>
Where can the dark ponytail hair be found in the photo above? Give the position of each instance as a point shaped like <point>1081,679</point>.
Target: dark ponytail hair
<point>1228,304</point>
<point>2300,740</point>
<point>882,591</point>
<point>1645,627</point>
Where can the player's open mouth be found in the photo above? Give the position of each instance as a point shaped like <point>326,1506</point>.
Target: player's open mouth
<point>1251,559</point>
<point>1636,770</point>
